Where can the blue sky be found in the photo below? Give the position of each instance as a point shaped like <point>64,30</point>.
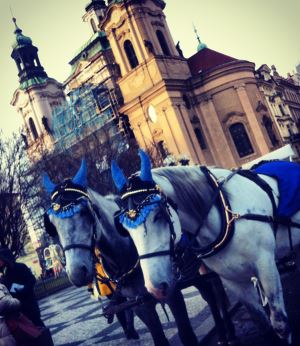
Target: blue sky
<point>260,31</point>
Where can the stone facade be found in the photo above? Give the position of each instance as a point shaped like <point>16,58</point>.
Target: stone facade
<point>204,107</point>
<point>210,107</point>
<point>282,97</point>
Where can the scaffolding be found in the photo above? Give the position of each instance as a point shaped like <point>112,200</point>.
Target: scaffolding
<point>86,110</point>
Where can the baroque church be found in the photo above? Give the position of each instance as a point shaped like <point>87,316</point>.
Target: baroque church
<point>209,107</point>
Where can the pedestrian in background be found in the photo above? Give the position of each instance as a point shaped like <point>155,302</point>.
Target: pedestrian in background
<point>20,281</point>
<point>9,307</point>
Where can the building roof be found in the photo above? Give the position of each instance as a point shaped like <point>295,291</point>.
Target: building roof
<point>206,59</point>
<point>20,40</point>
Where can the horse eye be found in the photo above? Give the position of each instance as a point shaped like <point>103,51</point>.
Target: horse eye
<point>84,212</point>
<point>157,216</point>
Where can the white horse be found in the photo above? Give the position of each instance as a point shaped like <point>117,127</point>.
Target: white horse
<point>153,223</point>
<point>83,219</point>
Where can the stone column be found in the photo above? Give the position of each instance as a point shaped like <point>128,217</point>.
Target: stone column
<point>118,52</point>
<point>191,134</point>
<point>220,148</point>
<point>172,136</point>
<point>261,143</point>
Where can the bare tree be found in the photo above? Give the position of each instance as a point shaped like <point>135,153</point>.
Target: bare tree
<point>16,188</point>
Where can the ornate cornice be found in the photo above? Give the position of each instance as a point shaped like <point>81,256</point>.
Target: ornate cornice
<point>230,115</point>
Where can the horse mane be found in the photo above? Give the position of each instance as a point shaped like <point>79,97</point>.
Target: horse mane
<point>193,193</point>
<point>111,241</point>
<point>110,197</point>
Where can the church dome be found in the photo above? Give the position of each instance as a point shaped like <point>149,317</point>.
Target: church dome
<point>201,46</point>
<point>20,40</point>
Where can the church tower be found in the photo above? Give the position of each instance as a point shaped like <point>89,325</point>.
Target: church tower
<point>153,77</point>
<point>36,96</point>
<point>94,13</point>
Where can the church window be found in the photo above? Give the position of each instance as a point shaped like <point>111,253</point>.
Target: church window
<point>281,109</point>
<point>269,128</point>
<point>93,25</point>
<point>130,53</point>
<point>200,138</point>
<point>163,43</point>
<point>241,139</point>
<point>33,129</point>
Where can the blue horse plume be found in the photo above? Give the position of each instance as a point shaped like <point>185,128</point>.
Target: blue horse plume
<point>48,184</point>
<point>118,176</point>
<point>81,176</point>
<point>145,174</point>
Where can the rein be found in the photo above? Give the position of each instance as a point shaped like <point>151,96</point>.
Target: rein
<point>108,278</point>
<point>163,205</point>
<point>63,206</point>
<point>227,215</point>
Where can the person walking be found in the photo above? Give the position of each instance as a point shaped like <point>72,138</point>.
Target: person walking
<point>20,281</point>
<point>8,307</point>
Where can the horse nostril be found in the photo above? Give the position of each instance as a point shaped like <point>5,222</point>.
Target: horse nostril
<point>84,269</point>
<point>163,286</point>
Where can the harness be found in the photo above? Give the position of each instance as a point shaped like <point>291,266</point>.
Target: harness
<point>219,198</point>
<point>143,209</point>
<point>274,219</point>
<point>227,217</point>
<point>68,199</point>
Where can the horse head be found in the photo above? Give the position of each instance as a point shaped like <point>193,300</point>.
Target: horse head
<point>71,217</point>
<point>152,224</point>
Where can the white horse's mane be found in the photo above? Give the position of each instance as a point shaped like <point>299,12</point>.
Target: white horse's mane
<point>191,188</point>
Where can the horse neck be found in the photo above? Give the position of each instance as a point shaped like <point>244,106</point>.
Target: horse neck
<point>113,247</point>
<point>189,207</point>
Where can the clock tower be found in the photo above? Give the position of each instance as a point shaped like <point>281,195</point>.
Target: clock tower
<point>153,77</point>
<point>36,95</point>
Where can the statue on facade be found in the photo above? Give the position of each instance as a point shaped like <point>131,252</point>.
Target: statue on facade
<point>148,44</point>
<point>45,123</point>
<point>179,50</point>
<point>24,137</point>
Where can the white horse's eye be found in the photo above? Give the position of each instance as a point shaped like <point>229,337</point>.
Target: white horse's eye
<point>158,216</point>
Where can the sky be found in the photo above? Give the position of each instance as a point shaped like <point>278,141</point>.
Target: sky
<point>261,31</point>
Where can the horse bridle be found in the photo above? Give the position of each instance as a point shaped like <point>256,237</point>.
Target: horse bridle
<point>164,206</point>
<point>61,203</point>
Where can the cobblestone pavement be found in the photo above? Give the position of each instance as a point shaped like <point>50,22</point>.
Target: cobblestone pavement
<point>74,319</point>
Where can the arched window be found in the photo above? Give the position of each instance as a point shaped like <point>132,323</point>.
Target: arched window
<point>200,138</point>
<point>269,128</point>
<point>281,110</point>
<point>93,25</point>
<point>241,139</point>
<point>131,56</point>
<point>163,43</point>
<point>33,129</point>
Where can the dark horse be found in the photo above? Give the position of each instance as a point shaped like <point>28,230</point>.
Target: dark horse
<point>84,219</point>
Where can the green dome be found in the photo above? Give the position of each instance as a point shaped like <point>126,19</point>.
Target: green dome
<point>21,40</point>
<point>201,46</point>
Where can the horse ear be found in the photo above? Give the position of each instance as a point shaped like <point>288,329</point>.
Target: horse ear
<point>81,176</point>
<point>145,174</point>
<point>48,185</point>
<point>118,176</point>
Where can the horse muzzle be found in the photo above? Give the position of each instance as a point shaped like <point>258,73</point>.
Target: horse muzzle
<point>80,276</point>
<point>160,292</point>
